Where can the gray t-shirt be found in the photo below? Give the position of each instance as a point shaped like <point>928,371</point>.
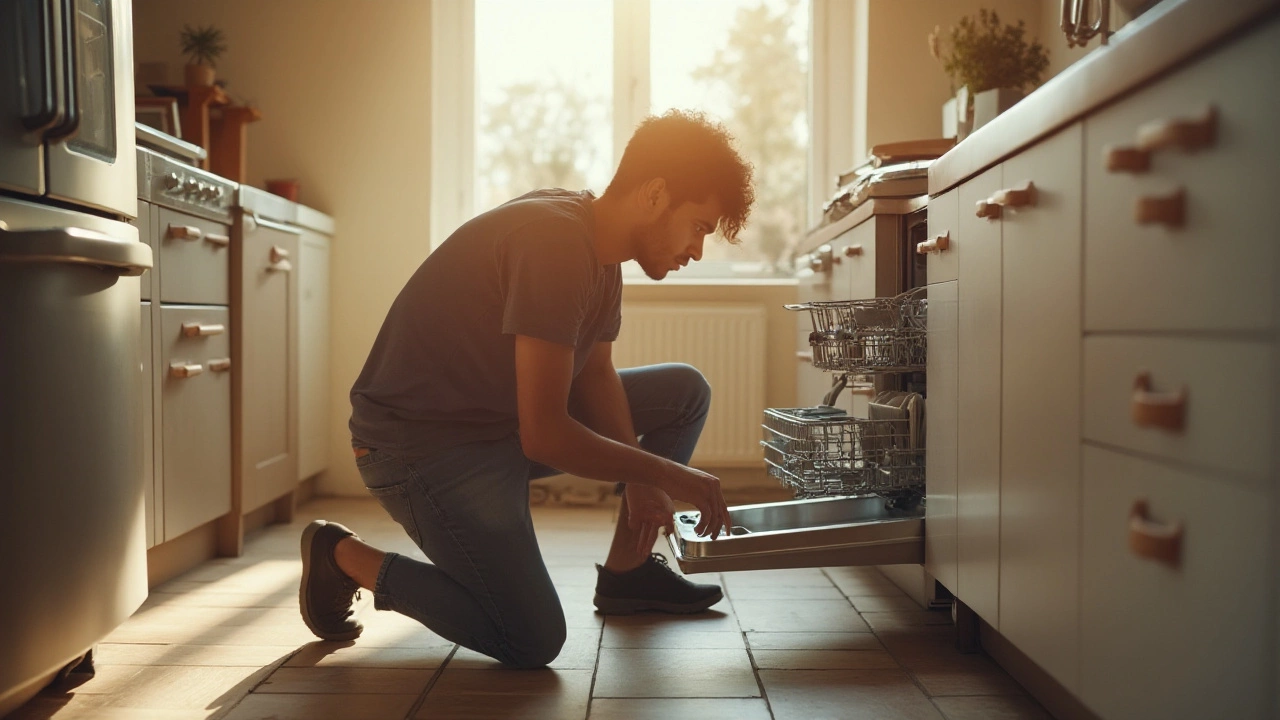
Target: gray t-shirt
<point>442,371</point>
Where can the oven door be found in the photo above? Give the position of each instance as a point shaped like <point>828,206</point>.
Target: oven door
<point>66,89</point>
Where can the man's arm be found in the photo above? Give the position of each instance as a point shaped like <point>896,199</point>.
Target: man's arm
<point>549,435</point>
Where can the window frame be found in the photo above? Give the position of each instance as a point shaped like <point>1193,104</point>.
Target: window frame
<point>832,100</point>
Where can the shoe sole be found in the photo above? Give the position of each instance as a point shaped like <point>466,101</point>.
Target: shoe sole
<point>622,606</point>
<point>308,537</point>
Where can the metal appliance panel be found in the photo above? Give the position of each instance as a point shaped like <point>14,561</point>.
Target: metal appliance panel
<point>26,92</point>
<point>195,254</point>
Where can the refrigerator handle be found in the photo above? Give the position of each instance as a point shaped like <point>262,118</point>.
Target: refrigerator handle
<point>70,124</point>
<point>40,105</point>
<point>75,246</point>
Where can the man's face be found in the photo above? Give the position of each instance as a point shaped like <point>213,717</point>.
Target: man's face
<point>675,237</point>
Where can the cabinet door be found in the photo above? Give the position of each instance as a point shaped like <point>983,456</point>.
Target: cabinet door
<point>197,416</point>
<point>943,210</point>
<point>148,418</point>
<point>978,440</point>
<point>267,456</point>
<point>940,446</point>
<point>1040,428</point>
<point>146,223</point>
<point>313,354</point>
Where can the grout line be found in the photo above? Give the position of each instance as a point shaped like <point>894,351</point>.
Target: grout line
<point>755,672</point>
<point>270,670</point>
<point>595,671</point>
<point>417,704</point>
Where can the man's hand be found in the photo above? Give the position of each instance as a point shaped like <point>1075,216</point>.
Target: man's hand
<point>701,490</point>
<point>648,509</point>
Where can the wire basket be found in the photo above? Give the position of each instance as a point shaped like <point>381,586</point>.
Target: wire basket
<point>821,452</point>
<point>879,335</point>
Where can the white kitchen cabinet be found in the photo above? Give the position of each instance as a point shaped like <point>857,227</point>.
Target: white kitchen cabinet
<point>148,427</point>
<point>942,248</point>
<point>1187,638</point>
<point>313,396</point>
<point>940,420</point>
<point>1217,269</point>
<point>978,419</point>
<point>1039,448</point>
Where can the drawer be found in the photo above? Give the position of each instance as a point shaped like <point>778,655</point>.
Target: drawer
<point>194,263</point>
<point>1227,417</point>
<point>856,253</point>
<point>196,407</point>
<point>1218,270</point>
<point>1161,641</point>
<point>943,214</point>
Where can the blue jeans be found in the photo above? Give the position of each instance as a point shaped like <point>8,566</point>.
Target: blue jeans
<point>486,587</point>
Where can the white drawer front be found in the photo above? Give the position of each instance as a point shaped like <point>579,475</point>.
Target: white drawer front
<point>942,223</point>
<point>1227,417</point>
<point>1219,269</point>
<point>1166,642</point>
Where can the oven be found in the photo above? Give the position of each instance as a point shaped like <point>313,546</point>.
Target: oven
<point>66,103</point>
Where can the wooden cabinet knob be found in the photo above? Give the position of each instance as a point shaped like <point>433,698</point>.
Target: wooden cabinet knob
<point>1127,159</point>
<point>866,390</point>
<point>220,365</point>
<point>185,232</point>
<point>805,356</point>
<point>987,209</point>
<point>199,330</point>
<point>1168,210</point>
<point>1151,540</point>
<point>1185,134</point>
<point>184,370</point>
<point>1165,411</point>
<point>853,251</point>
<point>937,244</point>
<point>219,240</point>
<point>1014,197</point>
<point>278,253</point>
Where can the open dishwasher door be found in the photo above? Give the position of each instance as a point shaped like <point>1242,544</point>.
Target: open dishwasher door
<point>821,532</point>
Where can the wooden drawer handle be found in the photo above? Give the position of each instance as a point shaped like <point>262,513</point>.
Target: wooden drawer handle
<point>1127,159</point>
<point>282,266</point>
<point>937,244</point>
<point>987,209</point>
<point>1015,197</point>
<point>219,240</point>
<point>1166,411</point>
<point>1152,540</point>
<point>199,330</point>
<point>185,232</point>
<point>1185,134</point>
<point>853,251</point>
<point>804,355</point>
<point>220,365</point>
<point>1168,210</point>
<point>867,390</point>
<point>278,253</point>
<point>183,370</point>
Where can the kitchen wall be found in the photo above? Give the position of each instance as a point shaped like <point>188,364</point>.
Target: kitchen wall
<point>344,90</point>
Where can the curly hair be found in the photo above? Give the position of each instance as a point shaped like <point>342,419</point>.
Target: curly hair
<point>697,159</point>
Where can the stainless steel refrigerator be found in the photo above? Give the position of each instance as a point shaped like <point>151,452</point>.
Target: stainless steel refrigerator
<point>72,542</point>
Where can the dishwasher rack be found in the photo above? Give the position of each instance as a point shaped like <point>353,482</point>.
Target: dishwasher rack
<point>822,452</point>
<point>880,335</point>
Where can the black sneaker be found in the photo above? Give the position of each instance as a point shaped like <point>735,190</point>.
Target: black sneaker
<point>652,586</point>
<point>326,594</point>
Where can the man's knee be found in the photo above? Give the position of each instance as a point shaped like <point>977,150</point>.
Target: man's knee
<point>696,389</point>
<point>537,646</point>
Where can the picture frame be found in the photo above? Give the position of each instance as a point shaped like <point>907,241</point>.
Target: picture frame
<point>160,113</point>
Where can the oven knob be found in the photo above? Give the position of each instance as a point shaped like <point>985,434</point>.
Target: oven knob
<point>172,181</point>
<point>190,187</point>
<point>218,193</point>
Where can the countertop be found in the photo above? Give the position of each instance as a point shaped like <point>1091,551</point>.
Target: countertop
<point>1169,34</point>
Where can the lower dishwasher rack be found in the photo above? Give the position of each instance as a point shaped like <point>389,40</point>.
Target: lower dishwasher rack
<point>865,530</point>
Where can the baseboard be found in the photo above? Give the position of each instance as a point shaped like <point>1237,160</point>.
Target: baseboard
<point>1055,698</point>
<point>174,557</point>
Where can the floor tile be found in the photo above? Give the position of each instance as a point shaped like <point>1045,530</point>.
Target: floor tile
<point>390,629</point>
<point>330,706</point>
<point>96,707</point>
<point>857,581</point>
<point>173,688</point>
<point>332,654</point>
<point>991,708</point>
<point>824,660</point>
<point>884,603</point>
<point>209,655</point>
<point>799,616</point>
<point>499,694</point>
<point>663,672</point>
<point>895,619</point>
<point>812,577</point>
<point>721,617</point>
<point>964,675</point>
<point>738,591</point>
<point>347,680</point>
<point>669,708</point>
<point>846,694</point>
<point>668,635</point>
<point>579,653</point>
<point>813,641</point>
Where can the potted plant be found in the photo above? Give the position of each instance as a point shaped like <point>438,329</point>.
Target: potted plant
<point>991,66</point>
<point>202,46</point>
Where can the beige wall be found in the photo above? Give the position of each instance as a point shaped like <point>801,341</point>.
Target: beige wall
<point>344,90</point>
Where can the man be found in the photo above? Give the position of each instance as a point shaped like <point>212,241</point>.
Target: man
<point>493,368</point>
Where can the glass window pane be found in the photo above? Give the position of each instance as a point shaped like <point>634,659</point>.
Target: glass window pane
<point>544,104</point>
<point>745,62</point>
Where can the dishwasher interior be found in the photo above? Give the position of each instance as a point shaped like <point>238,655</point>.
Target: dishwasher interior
<point>855,458</point>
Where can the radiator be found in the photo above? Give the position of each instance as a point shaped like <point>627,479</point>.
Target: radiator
<point>726,341</point>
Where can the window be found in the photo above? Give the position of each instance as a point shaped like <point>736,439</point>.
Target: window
<point>529,95</point>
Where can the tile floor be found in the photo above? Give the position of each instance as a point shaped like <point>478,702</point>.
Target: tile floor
<point>225,641</point>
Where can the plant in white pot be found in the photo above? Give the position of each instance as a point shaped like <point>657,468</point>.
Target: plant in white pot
<point>202,46</point>
<point>991,66</point>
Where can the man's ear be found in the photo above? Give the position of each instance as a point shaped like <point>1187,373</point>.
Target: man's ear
<point>654,197</point>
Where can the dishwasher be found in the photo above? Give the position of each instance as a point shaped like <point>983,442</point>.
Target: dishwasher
<point>857,469</point>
